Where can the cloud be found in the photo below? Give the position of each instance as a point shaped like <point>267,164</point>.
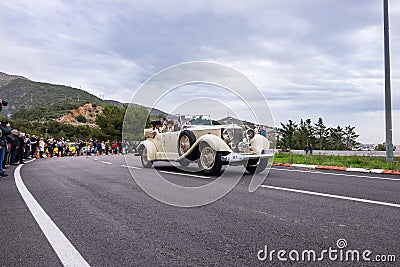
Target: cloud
<point>310,58</point>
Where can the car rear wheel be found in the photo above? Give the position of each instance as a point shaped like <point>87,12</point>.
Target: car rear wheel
<point>145,160</point>
<point>210,160</point>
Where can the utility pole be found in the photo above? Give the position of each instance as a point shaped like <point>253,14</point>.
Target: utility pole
<point>388,97</point>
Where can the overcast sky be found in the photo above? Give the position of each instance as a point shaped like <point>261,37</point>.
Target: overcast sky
<point>310,58</point>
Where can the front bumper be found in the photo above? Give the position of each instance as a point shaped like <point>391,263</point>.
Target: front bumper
<point>237,158</point>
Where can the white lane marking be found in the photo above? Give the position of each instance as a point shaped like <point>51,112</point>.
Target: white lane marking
<point>340,174</point>
<point>185,174</point>
<point>106,162</point>
<point>357,170</point>
<point>29,161</point>
<point>304,166</point>
<point>130,167</point>
<point>66,252</point>
<point>333,196</point>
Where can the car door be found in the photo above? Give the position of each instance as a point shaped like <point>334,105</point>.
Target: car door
<point>170,142</point>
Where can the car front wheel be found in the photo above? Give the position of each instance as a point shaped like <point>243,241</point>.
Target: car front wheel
<point>145,160</point>
<point>210,161</point>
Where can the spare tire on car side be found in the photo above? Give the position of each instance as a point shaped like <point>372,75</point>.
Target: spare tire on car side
<point>186,140</point>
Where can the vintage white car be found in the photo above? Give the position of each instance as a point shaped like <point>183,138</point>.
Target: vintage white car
<point>197,140</point>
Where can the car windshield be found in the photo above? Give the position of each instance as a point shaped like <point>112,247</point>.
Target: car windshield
<point>196,120</point>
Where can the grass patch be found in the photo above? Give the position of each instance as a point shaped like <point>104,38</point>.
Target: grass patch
<point>367,162</point>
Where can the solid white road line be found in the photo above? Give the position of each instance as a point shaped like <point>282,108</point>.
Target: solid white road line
<point>130,167</point>
<point>339,174</point>
<point>66,252</point>
<point>106,162</point>
<point>333,196</point>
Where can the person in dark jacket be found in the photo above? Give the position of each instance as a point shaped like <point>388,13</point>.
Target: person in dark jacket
<point>5,130</point>
<point>21,148</point>
<point>34,144</point>
<point>13,139</point>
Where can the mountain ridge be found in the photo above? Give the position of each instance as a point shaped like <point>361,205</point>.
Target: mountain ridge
<point>43,101</point>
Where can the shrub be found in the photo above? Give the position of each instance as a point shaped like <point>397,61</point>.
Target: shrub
<point>81,118</point>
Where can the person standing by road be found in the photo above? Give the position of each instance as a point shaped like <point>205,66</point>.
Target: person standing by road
<point>306,148</point>
<point>108,148</point>
<point>50,146</point>
<point>310,148</point>
<point>14,141</point>
<point>41,147</point>
<point>5,130</point>
<point>60,146</point>
<point>22,147</point>
<point>115,147</point>
<point>34,144</point>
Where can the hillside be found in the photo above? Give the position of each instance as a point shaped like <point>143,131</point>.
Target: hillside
<point>84,115</point>
<point>36,100</point>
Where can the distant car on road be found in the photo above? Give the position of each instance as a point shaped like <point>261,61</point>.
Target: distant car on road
<point>196,139</point>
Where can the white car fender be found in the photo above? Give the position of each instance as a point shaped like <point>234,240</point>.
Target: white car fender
<point>259,143</point>
<point>215,142</point>
<point>151,149</point>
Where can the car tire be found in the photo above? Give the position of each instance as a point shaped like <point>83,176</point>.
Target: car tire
<point>184,162</point>
<point>146,163</point>
<point>256,166</point>
<point>185,141</point>
<point>210,162</point>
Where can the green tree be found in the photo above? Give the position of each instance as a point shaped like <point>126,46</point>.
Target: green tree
<point>350,137</point>
<point>321,132</point>
<point>288,133</point>
<point>304,134</point>
<point>81,118</point>
<point>135,121</point>
<point>335,138</point>
<point>110,122</point>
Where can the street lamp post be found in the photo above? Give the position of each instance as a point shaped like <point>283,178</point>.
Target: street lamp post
<point>388,100</point>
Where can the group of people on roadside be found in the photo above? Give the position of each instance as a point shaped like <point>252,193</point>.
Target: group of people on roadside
<point>12,147</point>
<point>53,147</point>
<point>308,149</point>
<point>16,146</point>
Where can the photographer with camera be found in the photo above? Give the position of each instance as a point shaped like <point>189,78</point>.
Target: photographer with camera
<point>5,130</point>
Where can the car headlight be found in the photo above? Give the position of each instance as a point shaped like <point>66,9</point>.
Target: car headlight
<point>250,134</point>
<point>227,134</point>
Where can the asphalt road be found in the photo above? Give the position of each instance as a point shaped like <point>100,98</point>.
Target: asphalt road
<point>109,221</point>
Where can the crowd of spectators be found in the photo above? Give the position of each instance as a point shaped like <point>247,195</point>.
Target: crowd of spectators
<point>16,146</point>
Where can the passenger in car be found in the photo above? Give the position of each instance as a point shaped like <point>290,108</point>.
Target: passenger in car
<point>169,127</point>
<point>157,126</point>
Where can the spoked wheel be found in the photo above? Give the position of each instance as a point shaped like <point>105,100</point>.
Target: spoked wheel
<point>185,141</point>
<point>210,160</point>
<point>256,166</point>
<point>145,160</point>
